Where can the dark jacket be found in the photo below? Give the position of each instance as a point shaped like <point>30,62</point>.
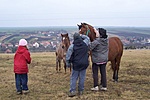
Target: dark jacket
<point>77,53</point>
<point>21,59</point>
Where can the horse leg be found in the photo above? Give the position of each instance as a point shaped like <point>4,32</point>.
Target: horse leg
<point>113,65</point>
<point>117,64</point>
<point>64,65</point>
<point>57,64</point>
<point>116,80</point>
<point>118,59</point>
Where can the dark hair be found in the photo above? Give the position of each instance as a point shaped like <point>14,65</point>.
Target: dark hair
<point>102,33</point>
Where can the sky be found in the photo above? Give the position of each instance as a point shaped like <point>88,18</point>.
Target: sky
<point>32,13</point>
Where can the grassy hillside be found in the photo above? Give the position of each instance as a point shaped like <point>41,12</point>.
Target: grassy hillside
<point>46,84</point>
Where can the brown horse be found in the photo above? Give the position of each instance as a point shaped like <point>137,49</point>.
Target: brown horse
<point>61,51</point>
<point>115,48</point>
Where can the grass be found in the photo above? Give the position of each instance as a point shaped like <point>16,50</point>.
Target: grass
<point>46,84</point>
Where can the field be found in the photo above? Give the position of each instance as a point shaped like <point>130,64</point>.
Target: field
<point>46,84</point>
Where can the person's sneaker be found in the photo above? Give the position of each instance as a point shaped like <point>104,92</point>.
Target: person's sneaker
<point>25,91</point>
<point>18,93</point>
<point>103,89</point>
<point>72,94</point>
<point>95,88</point>
<point>80,92</point>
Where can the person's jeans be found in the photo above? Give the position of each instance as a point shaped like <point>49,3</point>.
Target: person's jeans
<point>21,82</point>
<point>74,77</point>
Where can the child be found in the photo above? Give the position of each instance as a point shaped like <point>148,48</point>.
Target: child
<point>21,59</point>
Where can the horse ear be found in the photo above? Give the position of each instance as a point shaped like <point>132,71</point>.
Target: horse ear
<point>83,25</point>
<point>67,34</point>
<point>78,24</point>
<point>61,34</point>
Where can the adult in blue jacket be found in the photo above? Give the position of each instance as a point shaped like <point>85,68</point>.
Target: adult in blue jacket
<point>77,54</point>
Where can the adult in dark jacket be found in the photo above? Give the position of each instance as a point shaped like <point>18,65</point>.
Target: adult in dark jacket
<point>99,48</point>
<point>77,54</point>
<point>21,59</point>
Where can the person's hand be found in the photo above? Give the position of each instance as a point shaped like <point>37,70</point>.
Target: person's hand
<point>97,33</point>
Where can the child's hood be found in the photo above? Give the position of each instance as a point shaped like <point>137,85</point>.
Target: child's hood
<point>21,49</point>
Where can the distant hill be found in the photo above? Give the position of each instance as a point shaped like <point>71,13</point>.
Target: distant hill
<point>120,31</point>
<point>129,31</point>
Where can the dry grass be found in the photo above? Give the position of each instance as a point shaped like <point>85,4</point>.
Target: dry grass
<point>46,84</point>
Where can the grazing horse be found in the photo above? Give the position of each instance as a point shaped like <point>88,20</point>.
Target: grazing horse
<point>115,47</point>
<point>61,51</point>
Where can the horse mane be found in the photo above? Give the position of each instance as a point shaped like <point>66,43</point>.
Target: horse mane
<point>85,24</point>
<point>93,34</point>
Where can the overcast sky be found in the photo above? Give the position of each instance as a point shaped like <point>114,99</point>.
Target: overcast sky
<point>70,12</point>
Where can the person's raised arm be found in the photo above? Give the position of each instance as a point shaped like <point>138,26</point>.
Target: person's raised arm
<point>86,39</point>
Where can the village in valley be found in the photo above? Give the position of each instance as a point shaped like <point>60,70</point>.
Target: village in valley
<point>38,41</point>
<point>46,40</point>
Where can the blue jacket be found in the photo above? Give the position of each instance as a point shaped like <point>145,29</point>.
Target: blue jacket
<point>77,53</point>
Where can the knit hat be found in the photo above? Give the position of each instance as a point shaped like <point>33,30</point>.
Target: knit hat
<point>22,42</point>
<point>102,33</point>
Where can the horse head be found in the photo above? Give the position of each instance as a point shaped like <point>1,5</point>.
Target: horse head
<point>88,30</point>
<point>65,41</point>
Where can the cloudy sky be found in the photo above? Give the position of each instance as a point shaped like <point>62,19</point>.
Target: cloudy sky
<point>70,12</point>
